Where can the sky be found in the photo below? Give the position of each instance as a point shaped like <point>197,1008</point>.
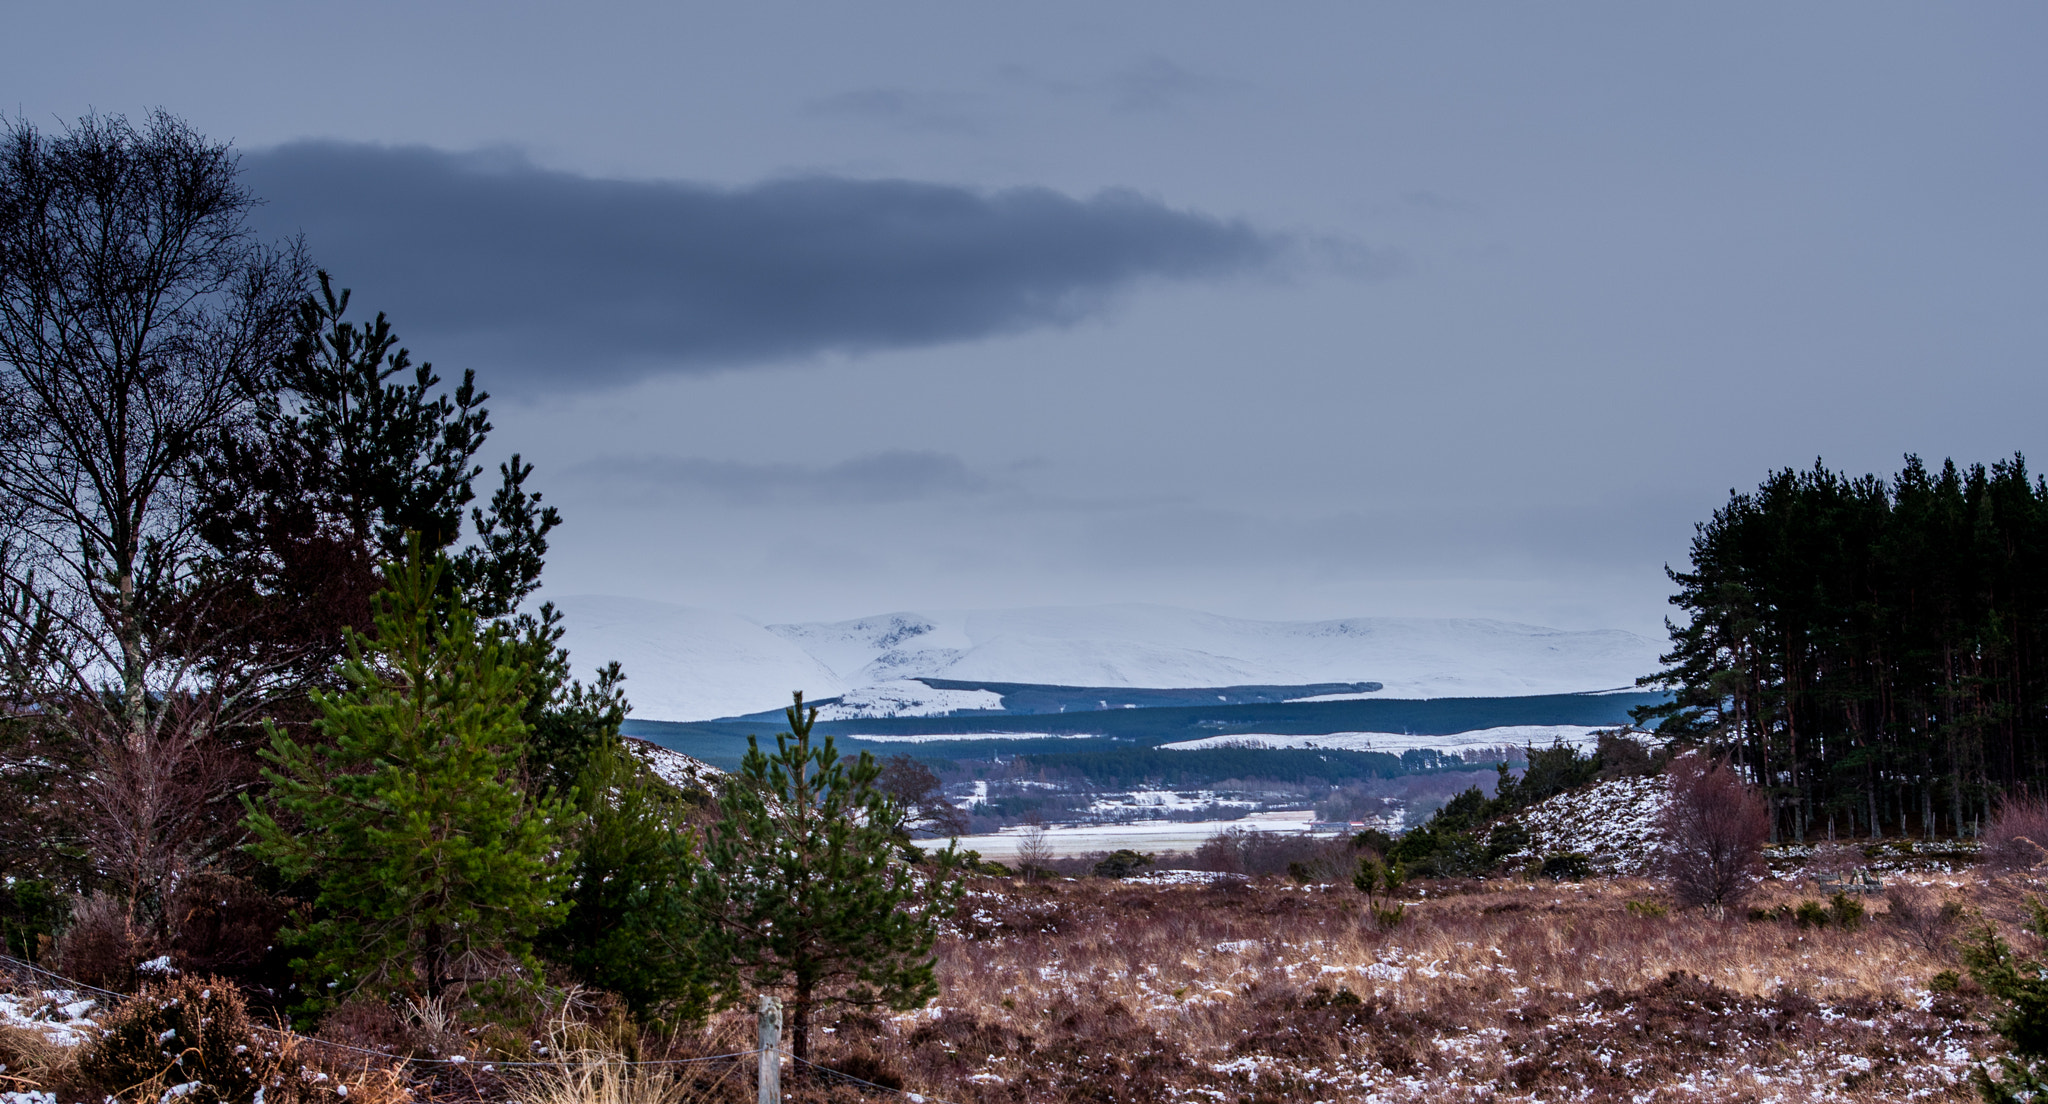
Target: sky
<point>808,312</point>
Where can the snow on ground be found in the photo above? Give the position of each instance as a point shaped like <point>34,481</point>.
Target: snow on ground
<point>675,768</point>
<point>1505,736</point>
<point>1149,835</point>
<point>63,1016</point>
<point>931,737</point>
<point>906,698</point>
<point>691,664</point>
<point>1614,822</point>
<point>1165,800</point>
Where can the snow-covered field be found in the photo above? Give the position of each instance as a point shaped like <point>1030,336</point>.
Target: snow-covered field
<point>1505,736</point>
<point>1149,836</point>
<point>690,664</point>
<point>906,698</point>
<point>934,737</point>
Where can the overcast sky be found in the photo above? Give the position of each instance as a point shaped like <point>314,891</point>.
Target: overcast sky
<point>813,311</point>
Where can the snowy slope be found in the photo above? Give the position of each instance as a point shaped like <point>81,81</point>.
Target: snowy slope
<point>1159,646</point>
<point>1540,736</point>
<point>689,664</point>
<point>685,664</point>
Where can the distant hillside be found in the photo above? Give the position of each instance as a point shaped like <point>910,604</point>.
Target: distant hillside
<point>982,736</point>
<point>690,665</point>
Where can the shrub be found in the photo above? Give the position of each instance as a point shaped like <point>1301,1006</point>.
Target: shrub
<point>1648,910</point>
<point>221,924</point>
<point>1845,911</point>
<point>2020,984</point>
<point>1811,914</point>
<point>102,945</point>
<point>31,912</point>
<point>1714,828</point>
<point>1121,863</point>
<point>185,1031</point>
<point>1256,854</point>
<point>1915,913</point>
<point>1568,866</point>
<point>2017,837</point>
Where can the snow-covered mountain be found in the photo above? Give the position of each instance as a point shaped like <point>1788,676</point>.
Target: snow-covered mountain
<point>685,664</point>
<point>689,664</point>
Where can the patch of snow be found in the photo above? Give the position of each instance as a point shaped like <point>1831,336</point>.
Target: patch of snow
<point>673,767</point>
<point>906,698</point>
<point>61,1016</point>
<point>1613,822</point>
<point>1580,736</point>
<point>933,737</point>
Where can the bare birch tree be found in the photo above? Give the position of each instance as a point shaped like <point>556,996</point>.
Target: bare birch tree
<point>138,315</point>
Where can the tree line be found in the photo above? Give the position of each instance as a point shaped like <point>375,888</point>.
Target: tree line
<point>1872,652</point>
<point>274,699</point>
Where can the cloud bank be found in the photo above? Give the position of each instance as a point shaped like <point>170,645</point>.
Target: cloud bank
<point>560,280</point>
<point>898,475</point>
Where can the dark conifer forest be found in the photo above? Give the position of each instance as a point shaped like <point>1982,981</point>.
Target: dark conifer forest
<point>1871,650</point>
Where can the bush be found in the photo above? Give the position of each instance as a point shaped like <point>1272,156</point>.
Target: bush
<point>1811,914</point>
<point>181,1032</point>
<point>221,924</point>
<point>1845,911</point>
<point>1648,910</point>
<point>1920,917</point>
<point>31,913</point>
<point>2020,985</point>
<point>103,944</point>
<point>1568,866</point>
<point>2017,837</point>
<point>1714,828</point>
<point>1255,854</point>
<point>1121,864</point>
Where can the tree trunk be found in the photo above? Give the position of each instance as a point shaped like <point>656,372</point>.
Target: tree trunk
<point>800,1021</point>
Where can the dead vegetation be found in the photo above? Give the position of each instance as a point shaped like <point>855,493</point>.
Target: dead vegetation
<point>1507,990</point>
<point>1101,990</point>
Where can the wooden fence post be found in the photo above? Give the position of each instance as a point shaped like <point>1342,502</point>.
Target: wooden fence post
<point>770,1080</point>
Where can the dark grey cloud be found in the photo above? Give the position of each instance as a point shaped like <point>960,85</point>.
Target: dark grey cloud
<point>571,281</point>
<point>879,477</point>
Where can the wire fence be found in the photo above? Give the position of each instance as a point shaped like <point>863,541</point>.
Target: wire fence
<point>823,1073</point>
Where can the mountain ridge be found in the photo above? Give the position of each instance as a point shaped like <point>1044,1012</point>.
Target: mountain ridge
<point>689,664</point>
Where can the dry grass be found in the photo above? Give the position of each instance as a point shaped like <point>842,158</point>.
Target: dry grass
<point>31,1061</point>
<point>1504,991</point>
<point>1099,991</point>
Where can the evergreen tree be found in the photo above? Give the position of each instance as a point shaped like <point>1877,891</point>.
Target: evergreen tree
<point>426,854</point>
<point>1872,653</point>
<point>630,927</point>
<point>2020,985</point>
<point>808,890</point>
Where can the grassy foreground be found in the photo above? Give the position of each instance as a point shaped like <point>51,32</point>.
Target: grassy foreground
<point>1181,989</point>
<point>1098,991</point>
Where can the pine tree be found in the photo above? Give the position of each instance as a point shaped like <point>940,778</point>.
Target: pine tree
<point>630,927</point>
<point>427,856</point>
<point>808,889</point>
